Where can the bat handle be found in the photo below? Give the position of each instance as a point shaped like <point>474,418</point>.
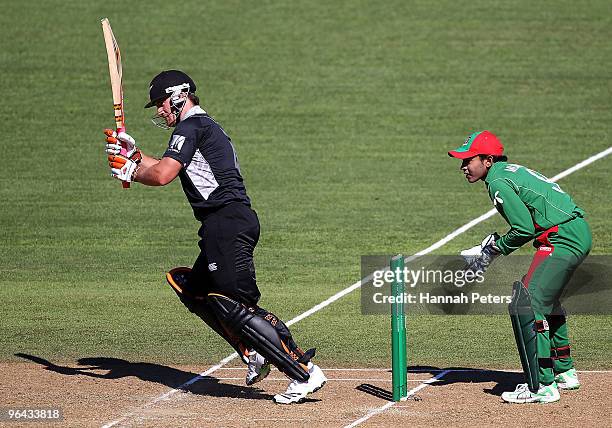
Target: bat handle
<point>125,184</point>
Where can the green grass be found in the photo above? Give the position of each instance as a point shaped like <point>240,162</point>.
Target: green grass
<point>341,114</point>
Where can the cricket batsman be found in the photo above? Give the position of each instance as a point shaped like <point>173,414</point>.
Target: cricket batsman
<point>538,210</point>
<point>221,287</point>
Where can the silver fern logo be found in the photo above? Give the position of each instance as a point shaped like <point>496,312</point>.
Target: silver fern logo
<point>176,143</point>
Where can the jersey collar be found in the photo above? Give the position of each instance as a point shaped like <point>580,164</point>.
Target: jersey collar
<point>193,111</point>
<point>495,168</point>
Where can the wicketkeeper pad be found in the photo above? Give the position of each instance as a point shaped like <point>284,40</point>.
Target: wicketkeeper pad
<point>525,333</point>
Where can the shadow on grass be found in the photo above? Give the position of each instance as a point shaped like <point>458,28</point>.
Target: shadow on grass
<point>116,368</point>
<point>504,381</point>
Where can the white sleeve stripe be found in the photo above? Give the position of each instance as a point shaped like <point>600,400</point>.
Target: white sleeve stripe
<point>201,175</point>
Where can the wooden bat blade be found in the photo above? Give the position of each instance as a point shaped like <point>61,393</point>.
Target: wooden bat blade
<point>115,71</point>
<point>116,75</point>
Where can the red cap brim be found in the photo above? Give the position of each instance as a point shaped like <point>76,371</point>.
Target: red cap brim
<point>462,155</point>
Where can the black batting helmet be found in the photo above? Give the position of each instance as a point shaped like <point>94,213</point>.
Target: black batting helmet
<point>166,83</point>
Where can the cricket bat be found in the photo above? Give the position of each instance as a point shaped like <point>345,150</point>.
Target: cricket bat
<point>116,74</point>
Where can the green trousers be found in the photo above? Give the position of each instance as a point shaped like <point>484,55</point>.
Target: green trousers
<point>561,250</point>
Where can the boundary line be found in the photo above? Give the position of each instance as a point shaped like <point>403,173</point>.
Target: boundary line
<point>357,285</point>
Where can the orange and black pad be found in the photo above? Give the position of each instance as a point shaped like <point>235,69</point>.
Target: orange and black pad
<point>178,279</point>
<point>257,333</point>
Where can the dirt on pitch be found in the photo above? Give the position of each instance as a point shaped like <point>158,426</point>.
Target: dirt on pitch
<point>99,391</point>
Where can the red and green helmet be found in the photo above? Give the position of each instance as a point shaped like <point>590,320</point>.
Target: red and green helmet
<point>478,143</point>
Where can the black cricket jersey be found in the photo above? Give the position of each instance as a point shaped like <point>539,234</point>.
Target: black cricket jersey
<point>211,174</point>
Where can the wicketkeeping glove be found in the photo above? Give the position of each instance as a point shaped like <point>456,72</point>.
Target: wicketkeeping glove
<point>479,258</point>
<point>114,143</point>
<point>123,168</point>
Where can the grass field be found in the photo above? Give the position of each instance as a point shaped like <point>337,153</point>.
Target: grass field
<point>341,113</point>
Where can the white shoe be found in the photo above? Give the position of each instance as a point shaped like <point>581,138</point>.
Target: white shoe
<point>257,369</point>
<point>522,394</point>
<point>297,391</point>
<point>568,380</point>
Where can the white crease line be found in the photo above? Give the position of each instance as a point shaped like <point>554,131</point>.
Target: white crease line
<point>332,369</point>
<point>356,285</point>
<point>284,379</point>
<point>358,379</point>
<point>391,403</point>
<point>432,370</point>
<point>438,377</point>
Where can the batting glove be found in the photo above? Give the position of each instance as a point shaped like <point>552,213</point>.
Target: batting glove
<point>115,142</point>
<point>479,258</point>
<point>123,168</point>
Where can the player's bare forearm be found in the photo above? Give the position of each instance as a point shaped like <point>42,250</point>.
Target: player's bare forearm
<point>148,161</point>
<point>155,172</point>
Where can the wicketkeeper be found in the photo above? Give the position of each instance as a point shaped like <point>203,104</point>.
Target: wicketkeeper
<point>538,210</point>
<point>221,287</point>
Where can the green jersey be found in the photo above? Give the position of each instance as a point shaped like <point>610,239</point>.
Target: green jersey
<point>529,202</point>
